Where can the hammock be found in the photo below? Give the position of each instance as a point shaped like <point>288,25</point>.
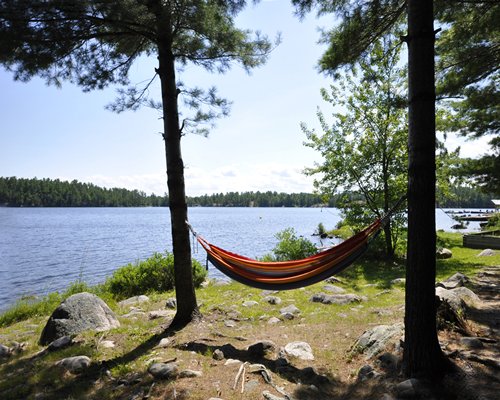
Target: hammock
<point>284,275</point>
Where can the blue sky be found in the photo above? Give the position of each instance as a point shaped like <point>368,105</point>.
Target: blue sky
<point>67,134</point>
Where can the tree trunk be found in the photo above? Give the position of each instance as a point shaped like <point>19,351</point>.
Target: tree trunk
<point>422,354</point>
<point>187,308</point>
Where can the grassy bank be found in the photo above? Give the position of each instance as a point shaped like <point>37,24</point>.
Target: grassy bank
<point>120,372</point>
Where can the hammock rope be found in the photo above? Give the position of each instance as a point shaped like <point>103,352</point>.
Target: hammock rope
<point>284,275</point>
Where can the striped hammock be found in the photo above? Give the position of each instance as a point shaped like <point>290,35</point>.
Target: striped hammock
<point>283,275</point>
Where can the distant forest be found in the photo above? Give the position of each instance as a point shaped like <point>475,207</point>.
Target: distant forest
<point>21,192</point>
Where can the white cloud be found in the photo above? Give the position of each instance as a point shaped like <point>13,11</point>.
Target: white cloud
<point>229,178</point>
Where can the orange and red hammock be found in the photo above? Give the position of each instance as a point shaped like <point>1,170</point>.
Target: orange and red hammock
<point>283,275</point>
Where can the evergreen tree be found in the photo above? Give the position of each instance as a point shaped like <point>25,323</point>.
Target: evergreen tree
<point>361,24</point>
<point>93,43</point>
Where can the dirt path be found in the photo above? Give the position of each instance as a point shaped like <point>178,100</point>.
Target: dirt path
<point>479,357</point>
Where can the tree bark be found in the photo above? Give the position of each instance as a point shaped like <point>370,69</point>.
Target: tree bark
<point>422,354</point>
<point>187,308</point>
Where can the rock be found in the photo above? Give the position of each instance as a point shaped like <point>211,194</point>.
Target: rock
<point>230,323</point>
<point>107,344</point>
<point>272,300</point>
<point>160,314</point>
<point>251,385</point>
<point>250,303</point>
<point>288,316</point>
<point>134,314</point>
<point>273,320</point>
<point>218,355</point>
<point>260,349</point>
<point>300,350</point>
<point>334,289</point>
<point>291,309</point>
<point>231,361</point>
<point>375,340</point>
<point>456,303</point>
<point>412,388</point>
<point>366,372</point>
<point>74,364</point>
<point>398,282</point>
<point>5,351</point>
<point>268,396</point>
<point>134,300</point>
<point>335,298</point>
<point>443,253</point>
<point>388,362</point>
<point>60,343</point>
<point>466,295</point>
<point>486,253</point>
<point>454,281</point>
<point>165,342</point>
<point>471,342</point>
<point>333,279</point>
<point>171,303</point>
<point>189,373</point>
<point>164,370</point>
<point>78,313</point>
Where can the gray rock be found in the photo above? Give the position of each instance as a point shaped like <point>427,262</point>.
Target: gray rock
<point>261,348</point>
<point>134,314</point>
<point>250,303</point>
<point>189,373</point>
<point>300,350</point>
<point>230,323</point>
<point>456,303</point>
<point>164,370</point>
<point>274,300</point>
<point>335,298</point>
<point>74,364</point>
<point>454,281</point>
<point>334,289</point>
<point>486,253</point>
<point>134,300</point>
<point>365,372</point>
<point>171,303</point>
<point>165,342</point>
<point>78,313</point>
<point>218,355</point>
<point>443,253</point>
<point>60,343</point>
<point>333,279</point>
<point>269,396</point>
<point>466,295</point>
<point>388,362</point>
<point>160,314</point>
<point>291,309</point>
<point>107,344</point>
<point>5,351</point>
<point>471,342</point>
<point>412,388</point>
<point>375,340</point>
<point>273,320</point>
<point>288,316</point>
<point>251,385</point>
<point>399,282</point>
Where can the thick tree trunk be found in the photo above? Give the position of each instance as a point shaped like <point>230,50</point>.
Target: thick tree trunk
<point>422,354</point>
<point>187,308</point>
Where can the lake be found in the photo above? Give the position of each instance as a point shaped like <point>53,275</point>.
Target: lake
<point>44,249</point>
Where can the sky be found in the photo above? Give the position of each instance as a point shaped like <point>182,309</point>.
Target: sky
<point>64,133</point>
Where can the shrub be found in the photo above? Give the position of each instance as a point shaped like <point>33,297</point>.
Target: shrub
<point>155,274</point>
<point>290,247</point>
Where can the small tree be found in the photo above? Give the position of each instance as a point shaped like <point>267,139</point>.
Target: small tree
<point>93,43</point>
<point>364,148</point>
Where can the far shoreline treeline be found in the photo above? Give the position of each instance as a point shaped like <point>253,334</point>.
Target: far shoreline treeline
<point>23,192</point>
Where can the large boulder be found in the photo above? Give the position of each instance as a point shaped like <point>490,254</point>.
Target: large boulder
<point>375,340</point>
<point>78,313</point>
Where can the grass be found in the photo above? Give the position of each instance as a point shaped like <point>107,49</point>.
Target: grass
<point>330,329</point>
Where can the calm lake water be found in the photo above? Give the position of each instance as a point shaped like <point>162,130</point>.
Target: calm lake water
<point>44,249</point>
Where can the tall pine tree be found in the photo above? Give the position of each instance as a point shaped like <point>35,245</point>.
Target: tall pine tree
<point>93,43</point>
